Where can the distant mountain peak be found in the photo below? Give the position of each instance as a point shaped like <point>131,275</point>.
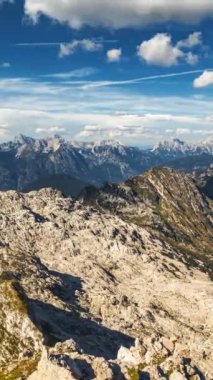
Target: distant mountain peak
<point>22,139</point>
<point>179,147</point>
<point>173,144</point>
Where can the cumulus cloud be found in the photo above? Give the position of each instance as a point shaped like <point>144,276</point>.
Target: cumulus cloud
<point>114,55</point>
<point>192,40</point>
<point>110,13</point>
<point>191,58</point>
<point>204,80</point>
<point>67,49</point>
<point>161,51</point>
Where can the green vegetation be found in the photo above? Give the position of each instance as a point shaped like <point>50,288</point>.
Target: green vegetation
<point>135,373</point>
<point>13,298</point>
<point>23,370</point>
<point>158,359</point>
<point>136,219</point>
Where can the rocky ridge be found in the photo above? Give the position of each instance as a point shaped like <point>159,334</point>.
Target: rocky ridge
<point>88,292</point>
<point>179,148</point>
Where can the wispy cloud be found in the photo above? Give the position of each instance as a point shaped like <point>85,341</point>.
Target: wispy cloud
<point>79,73</point>
<point>5,65</point>
<point>138,80</point>
<point>39,44</point>
<point>88,45</point>
<point>54,129</point>
<point>39,103</point>
<point>136,126</point>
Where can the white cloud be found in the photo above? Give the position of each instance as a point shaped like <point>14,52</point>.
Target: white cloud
<point>67,49</point>
<point>114,131</point>
<point>160,50</point>
<point>96,84</point>
<point>203,132</point>
<point>136,126</point>
<point>78,73</point>
<point>110,13</point>
<point>114,55</point>
<point>192,40</point>
<point>55,129</point>
<point>28,104</point>
<point>4,127</point>
<point>183,131</point>
<point>191,58</point>
<point>204,80</point>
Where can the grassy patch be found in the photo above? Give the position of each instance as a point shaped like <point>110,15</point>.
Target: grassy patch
<point>14,299</point>
<point>135,373</point>
<point>22,370</point>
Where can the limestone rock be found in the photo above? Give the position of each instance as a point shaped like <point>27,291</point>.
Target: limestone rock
<point>102,369</point>
<point>52,367</point>
<point>177,376</point>
<point>73,280</point>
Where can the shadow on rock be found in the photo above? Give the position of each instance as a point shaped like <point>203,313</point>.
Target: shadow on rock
<point>58,324</point>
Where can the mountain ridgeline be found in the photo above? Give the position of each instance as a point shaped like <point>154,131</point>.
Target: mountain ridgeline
<point>30,164</point>
<point>114,285</point>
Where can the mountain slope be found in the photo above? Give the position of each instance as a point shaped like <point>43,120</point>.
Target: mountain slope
<point>197,163</point>
<point>168,204</point>
<point>91,163</point>
<point>204,181</point>
<point>87,276</point>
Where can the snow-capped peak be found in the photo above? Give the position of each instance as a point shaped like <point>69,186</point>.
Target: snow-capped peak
<point>178,147</point>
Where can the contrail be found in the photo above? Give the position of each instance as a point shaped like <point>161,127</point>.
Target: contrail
<point>141,79</point>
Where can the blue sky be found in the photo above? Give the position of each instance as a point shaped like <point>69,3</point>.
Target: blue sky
<point>92,70</point>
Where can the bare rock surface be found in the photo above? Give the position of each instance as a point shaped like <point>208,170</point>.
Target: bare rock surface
<point>87,293</point>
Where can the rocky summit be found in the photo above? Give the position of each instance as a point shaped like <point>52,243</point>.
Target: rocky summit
<point>114,285</point>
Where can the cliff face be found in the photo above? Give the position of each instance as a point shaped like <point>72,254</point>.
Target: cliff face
<point>115,286</point>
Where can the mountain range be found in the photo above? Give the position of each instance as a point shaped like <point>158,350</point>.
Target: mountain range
<point>30,164</point>
<point>113,285</point>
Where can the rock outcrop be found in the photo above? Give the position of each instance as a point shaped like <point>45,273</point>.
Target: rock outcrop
<point>90,291</point>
